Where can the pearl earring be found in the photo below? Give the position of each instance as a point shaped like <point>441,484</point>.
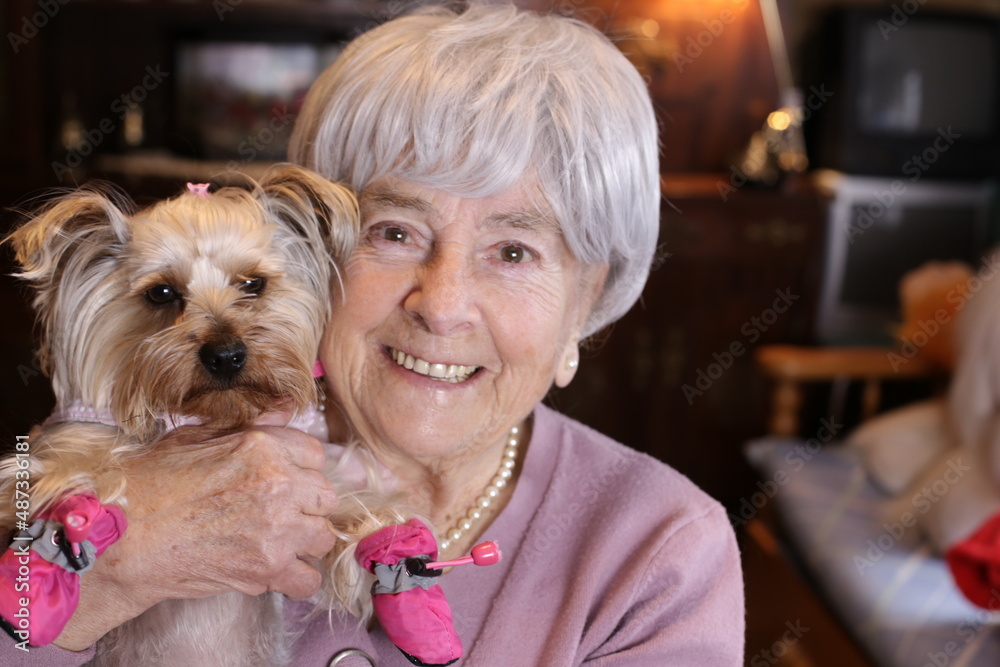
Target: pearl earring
<point>572,362</point>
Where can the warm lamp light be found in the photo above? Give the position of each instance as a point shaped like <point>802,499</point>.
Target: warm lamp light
<point>709,69</point>
<point>692,10</point>
<point>779,120</point>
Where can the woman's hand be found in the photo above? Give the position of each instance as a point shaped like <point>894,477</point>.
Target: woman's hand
<point>244,512</point>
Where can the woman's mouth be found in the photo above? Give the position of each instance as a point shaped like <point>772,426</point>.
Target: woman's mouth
<point>444,372</point>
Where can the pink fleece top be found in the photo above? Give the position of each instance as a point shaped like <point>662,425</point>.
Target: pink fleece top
<point>610,558</point>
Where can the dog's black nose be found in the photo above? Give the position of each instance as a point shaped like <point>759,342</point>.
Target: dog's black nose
<point>223,360</point>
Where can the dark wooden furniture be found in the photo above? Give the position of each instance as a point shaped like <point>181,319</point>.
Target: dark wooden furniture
<point>88,62</point>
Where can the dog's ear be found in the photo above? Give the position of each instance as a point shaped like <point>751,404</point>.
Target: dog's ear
<point>299,197</point>
<point>63,250</point>
<point>72,230</point>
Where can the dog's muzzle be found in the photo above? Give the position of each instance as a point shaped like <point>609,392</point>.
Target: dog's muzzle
<point>223,360</point>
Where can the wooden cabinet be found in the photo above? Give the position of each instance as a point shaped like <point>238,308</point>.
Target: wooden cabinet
<point>80,67</point>
<point>676,377</point>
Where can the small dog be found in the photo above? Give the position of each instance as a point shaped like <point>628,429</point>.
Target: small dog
<point>207,307</point>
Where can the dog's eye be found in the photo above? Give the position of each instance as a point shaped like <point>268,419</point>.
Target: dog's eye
<point>161,294</point>
<point>252,285</point>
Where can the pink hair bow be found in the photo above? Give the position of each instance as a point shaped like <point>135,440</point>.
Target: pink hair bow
<point>199,189</point>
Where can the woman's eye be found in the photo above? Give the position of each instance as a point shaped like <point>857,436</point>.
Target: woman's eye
<point>252,285</point>
<point>395,234</point>
<point>514,254</point>
<point>162,294</point>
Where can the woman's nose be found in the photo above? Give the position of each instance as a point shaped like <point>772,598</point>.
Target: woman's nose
<point>443,294</point>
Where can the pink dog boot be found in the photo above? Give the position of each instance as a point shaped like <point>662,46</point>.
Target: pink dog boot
<point>40,570</point>
<point>409,604</point>
<point>975,564</point>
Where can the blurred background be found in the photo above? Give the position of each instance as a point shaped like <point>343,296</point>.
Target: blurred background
<point>813,152</point>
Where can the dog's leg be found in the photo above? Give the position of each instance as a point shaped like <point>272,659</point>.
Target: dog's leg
<point>231,630</point>
<point>59,460</point>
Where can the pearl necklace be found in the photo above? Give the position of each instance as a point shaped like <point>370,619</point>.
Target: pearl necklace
<point>492,491</point>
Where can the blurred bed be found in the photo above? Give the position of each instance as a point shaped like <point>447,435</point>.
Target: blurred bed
<point>894,595</point>
<point>877,575</point>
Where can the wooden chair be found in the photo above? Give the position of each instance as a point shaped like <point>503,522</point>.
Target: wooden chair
<point>791,367</point>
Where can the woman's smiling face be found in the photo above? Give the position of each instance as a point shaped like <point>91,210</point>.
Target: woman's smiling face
<point>458,318</point>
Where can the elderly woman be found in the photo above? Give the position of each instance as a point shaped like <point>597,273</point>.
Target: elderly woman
<point>509,191</point>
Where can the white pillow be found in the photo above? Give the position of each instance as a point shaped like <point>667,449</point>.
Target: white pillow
<point>897,446</point>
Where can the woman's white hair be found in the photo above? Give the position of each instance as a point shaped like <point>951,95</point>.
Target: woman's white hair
<point>473,102</point>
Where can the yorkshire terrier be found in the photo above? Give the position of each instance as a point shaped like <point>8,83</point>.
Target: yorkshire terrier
<point>206,308</point>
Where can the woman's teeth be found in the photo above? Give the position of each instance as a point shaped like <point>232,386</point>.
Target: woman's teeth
<point>443,372</point>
